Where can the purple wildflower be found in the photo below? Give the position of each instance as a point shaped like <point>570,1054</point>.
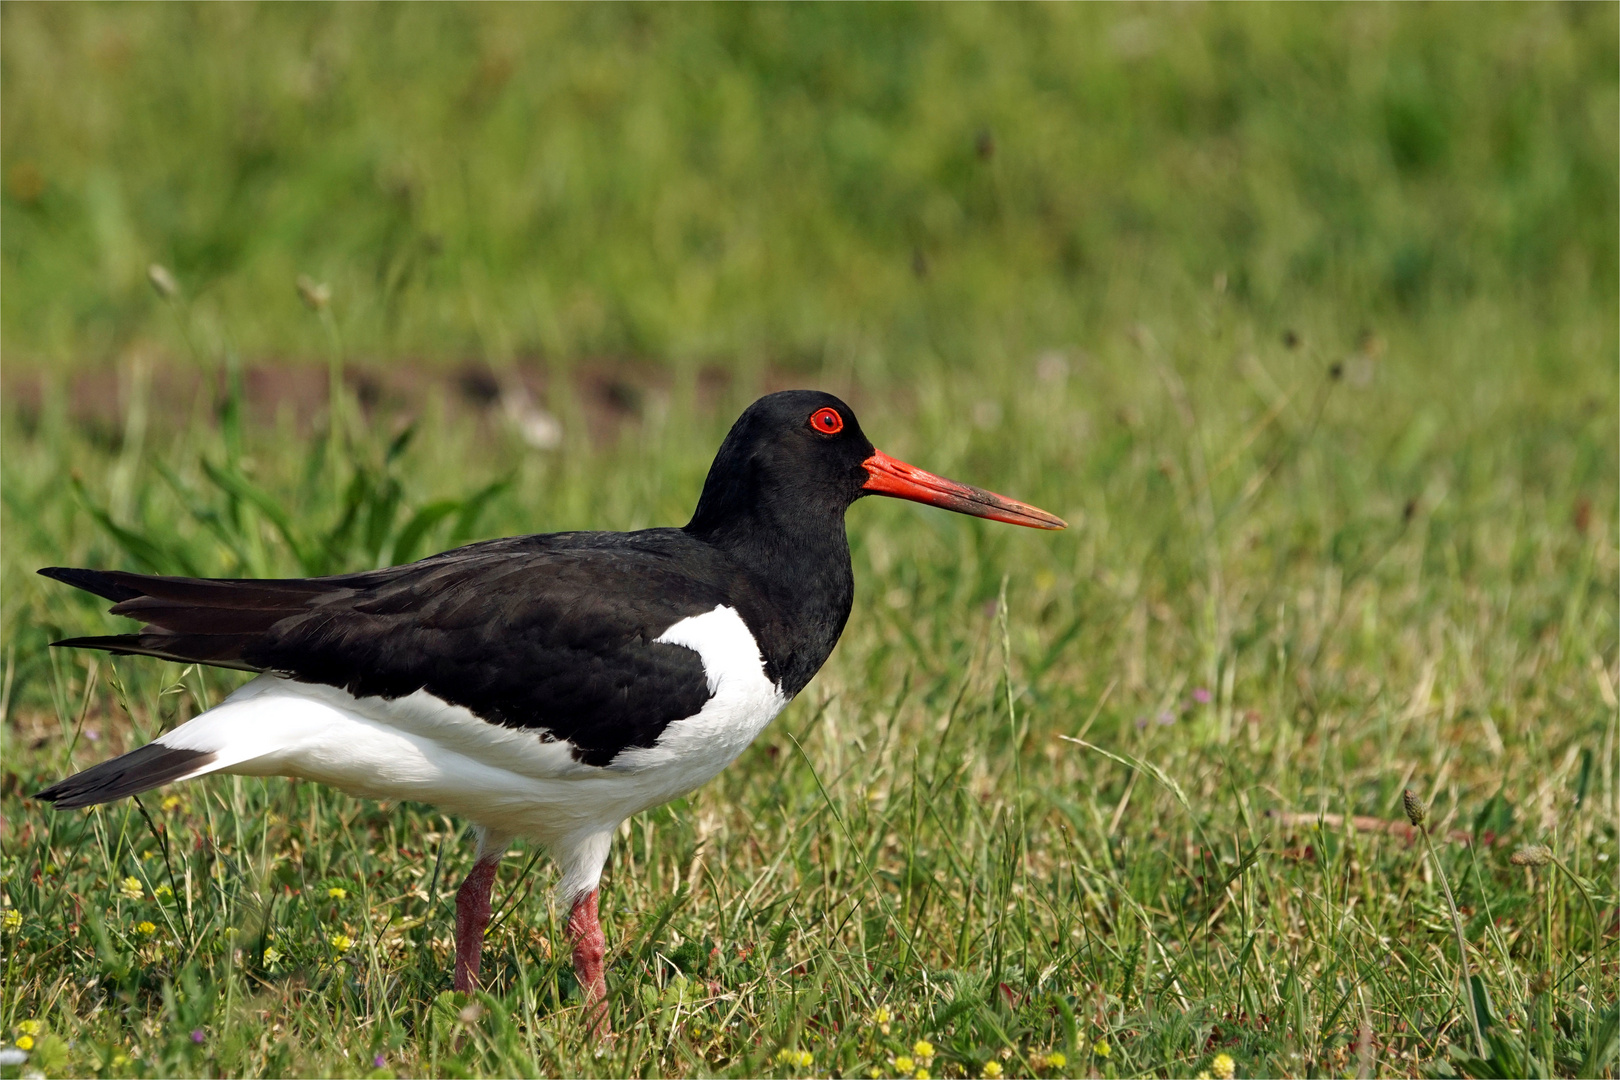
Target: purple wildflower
<point>1201,695</point>
<point>197,1036</point>
<point>379,1061</point>
<point>1166,718</point>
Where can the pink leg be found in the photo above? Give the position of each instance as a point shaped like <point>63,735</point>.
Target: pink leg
<point>472,917</point>
<point>585,932</point>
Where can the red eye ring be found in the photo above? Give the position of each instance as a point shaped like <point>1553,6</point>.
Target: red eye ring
<point>827,421</point>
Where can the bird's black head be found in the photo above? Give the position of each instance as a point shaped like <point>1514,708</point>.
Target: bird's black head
<point>798,459</point>
<point>795,456</point>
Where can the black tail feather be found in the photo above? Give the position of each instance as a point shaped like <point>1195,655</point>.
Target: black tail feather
<point>104,583</point>
<point>150,766</point>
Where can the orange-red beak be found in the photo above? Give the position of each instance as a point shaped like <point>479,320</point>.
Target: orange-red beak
<point>886,476</point>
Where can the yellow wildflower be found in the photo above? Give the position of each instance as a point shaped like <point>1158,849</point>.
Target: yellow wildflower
<point>341,942</point>
<point>875,1072</point>
<point>924,1050</point>
<point>161,891</point>
<point>272,955</point>
<point>1223,1067</point>
<point>920,1074</point>
<point>798,1059</point>
<point>29,1027</point>
<point>337,892</point>
<point>131,887</point>
<point>25,1042</point>
<point>1101,1048</point>
<point>904,1064</point>
<point>171,802</point>
<point>120,1059</point>
<point>992,1070</point>
<point>881,1018</point>
<point>145,928</point>
<point>1055,1060</point>
<point>11,920</point>
<point>1204,1075</point>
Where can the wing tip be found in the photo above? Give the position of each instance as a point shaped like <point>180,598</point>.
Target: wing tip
<point>121,644</point>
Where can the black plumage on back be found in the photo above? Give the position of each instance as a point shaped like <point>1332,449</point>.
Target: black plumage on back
<point>553,633</point>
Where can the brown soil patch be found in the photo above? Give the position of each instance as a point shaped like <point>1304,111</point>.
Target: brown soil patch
<point>609,394</point>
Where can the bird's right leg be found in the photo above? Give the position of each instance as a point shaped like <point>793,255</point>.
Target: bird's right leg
<point>472,909</point>
<point>582,860</point>
<point>590,948</point>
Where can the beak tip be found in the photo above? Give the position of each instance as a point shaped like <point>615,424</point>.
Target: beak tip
<point>886,476</point>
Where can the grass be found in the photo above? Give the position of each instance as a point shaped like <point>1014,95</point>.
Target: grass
<point>1311,337</point>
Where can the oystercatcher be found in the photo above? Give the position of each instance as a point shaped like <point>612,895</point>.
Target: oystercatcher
<point>544,687</point>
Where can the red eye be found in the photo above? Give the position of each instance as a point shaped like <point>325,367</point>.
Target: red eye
<point>827,421</point>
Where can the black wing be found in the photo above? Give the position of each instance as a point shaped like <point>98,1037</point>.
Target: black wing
<point>554,632</point>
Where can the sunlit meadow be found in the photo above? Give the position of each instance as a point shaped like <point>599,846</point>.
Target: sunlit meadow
<point>1304,317</point>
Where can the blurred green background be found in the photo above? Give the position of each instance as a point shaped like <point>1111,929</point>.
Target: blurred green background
<point>795,184</point>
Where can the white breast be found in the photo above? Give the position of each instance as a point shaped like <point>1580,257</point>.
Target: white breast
<point>744,700</point>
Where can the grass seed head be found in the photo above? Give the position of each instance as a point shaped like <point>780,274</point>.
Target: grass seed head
<point>315,295</point>
<point>1532,855</point>
<point>1415,810</point>
<point>162,281</point>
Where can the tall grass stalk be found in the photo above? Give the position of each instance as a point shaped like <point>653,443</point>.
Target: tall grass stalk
<point>1416,812</point>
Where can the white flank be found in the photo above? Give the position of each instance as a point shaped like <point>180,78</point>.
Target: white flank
<point>506,780</point>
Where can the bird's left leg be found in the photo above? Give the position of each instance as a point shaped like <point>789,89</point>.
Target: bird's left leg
<point>472,908</point>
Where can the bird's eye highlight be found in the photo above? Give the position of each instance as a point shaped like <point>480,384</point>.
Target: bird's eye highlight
<point>827,421</point>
